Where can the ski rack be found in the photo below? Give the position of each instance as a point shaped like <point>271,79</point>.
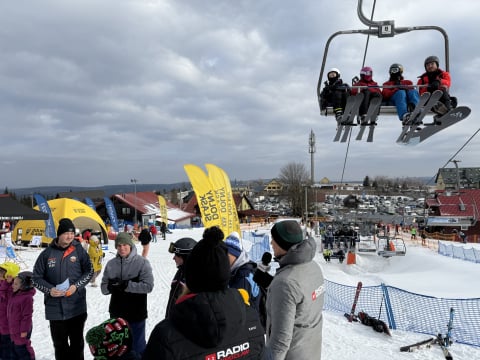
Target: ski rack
<point>380,29</point>
<point>391,246</point>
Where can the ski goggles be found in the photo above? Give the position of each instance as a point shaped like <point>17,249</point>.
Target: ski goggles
<point>366,72</point>
<point>394,70</point>
<point>177,250</point>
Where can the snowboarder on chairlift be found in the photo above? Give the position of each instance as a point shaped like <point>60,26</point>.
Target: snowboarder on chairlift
<point>400,92</point>
<point>436,79</point>
<point>334,93</point>
<point>369,88</point>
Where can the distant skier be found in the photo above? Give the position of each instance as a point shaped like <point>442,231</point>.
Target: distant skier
<point>400,92</point>
<point>327,253</point>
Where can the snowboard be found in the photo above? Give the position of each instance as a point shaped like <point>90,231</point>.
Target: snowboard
<point>424,105</point>
<point>452,117</point>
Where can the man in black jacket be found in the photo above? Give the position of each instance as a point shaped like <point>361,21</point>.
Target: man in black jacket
<point>61,272</point>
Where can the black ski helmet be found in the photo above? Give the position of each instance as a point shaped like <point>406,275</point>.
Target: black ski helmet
<point>182,246</point>
<point>430,59</point>
<point>26,278</point>
<point>396,68</point>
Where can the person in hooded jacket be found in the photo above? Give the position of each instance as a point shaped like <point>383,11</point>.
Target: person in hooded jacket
<point>368,87</point>
<point>8,272</point>
<point>242,270</point>
<point>95,252</point>
<point>334,93</point>
<point>181,249</point>
<point>211,321</point>
<point>20,316</point>
<point>128,277</point>
<point>295,296</point>
<point>61,272</point>
<point>400,92</point>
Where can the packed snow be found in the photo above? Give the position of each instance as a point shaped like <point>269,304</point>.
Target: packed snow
<point>418,271</point>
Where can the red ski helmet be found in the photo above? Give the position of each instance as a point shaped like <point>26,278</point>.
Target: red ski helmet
<point>366,73</point>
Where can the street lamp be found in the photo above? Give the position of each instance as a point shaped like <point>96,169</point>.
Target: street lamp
<point>134,181</point>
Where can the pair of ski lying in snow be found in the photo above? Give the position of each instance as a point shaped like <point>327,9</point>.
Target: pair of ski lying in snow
<point>414,130</point>
<point>443,341</point>
<point>380,326</point>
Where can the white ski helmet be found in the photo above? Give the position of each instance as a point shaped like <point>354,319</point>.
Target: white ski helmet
<point>334,70</point>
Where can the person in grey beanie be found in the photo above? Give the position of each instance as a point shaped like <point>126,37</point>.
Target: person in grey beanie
<point>128,277</point>
<point>295,296</point>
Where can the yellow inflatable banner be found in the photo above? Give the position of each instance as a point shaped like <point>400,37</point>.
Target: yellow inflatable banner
<point>206,198</point>
<point>223,189</point>
<point>163,209</point>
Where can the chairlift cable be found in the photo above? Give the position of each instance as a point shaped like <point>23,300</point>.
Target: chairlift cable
<point>368,36</point>
<point>454,155</point>
<point>363,64</point>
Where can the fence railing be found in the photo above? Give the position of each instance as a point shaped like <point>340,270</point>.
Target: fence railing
<point>459,252</point>
<point>404,310</point>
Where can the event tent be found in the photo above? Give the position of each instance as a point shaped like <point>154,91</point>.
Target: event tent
<point>81,214</point>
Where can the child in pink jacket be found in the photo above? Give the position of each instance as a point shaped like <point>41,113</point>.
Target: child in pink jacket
<point>8,271</point>
<point>19,314</point>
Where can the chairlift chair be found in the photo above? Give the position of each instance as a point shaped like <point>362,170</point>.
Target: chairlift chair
<point>381,29</point>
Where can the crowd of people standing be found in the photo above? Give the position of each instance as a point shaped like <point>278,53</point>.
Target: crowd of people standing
<point>213,306</point>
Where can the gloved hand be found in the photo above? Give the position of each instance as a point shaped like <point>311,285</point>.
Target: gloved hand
<point>263,267</point>
<point>116,285</point>
<point>434,85</point>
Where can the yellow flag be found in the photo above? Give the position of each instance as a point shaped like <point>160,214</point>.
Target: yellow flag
<point>163,209</point>
<point>223,190</point>
<point>206,198</point>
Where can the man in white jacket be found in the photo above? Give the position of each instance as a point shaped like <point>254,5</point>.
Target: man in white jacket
<point>295,296</point>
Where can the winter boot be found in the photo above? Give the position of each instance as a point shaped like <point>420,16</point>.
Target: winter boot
<point>440,108</point>
<point>338,114</point>
<point>406,119</point>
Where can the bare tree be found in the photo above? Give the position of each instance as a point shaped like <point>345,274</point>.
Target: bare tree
<point>294,176</point>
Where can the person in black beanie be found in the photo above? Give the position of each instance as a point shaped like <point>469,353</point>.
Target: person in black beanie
<point>180,249</point>
<point>61,272</point>
<point>295,296</point>
<point>210,319</point>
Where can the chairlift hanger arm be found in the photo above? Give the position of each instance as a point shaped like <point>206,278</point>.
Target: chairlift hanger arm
<point>387,28</point>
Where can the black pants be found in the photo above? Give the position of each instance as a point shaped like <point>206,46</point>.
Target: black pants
<point>67,336</point>
<point>367,97</point>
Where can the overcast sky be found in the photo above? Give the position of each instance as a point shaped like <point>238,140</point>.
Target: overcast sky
<point>100,92</point>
